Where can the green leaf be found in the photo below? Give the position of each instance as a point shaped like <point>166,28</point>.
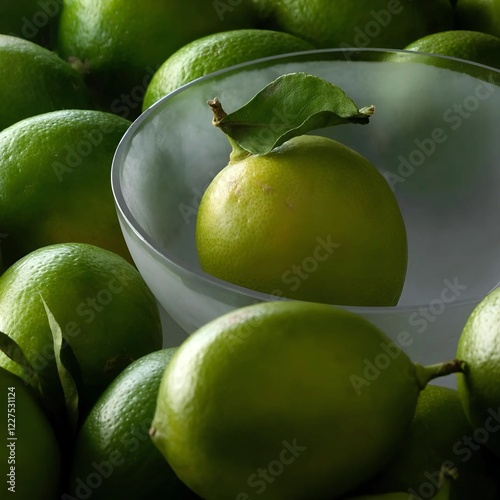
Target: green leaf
<point>12,350</point>
<point>291,105</point>
<point>67,381</point>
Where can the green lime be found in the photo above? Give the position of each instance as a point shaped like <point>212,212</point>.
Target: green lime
<point>55,183</point>
<point>114,457</point>
<point>106,312</point>
<point>469,45</point>
<point>30,461</point>
<point>217,51</point>
<point>35,80</point>
<point>479,387</point>
<point>122,43</point>
<point>440,435</point>
<point>283,400</point>
<point>364,23</point>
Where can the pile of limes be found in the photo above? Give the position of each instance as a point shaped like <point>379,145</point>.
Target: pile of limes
<point>271,401</point>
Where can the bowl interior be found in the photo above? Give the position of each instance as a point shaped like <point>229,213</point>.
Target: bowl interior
<point>433,136</point>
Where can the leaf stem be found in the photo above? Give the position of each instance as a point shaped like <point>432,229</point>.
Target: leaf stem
<point>238,153</point>
<point>219,113</point>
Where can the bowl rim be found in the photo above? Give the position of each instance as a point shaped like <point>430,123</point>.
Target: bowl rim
<point>163,255</point>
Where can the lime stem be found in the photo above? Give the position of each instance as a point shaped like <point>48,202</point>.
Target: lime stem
<point>219,113</point>
<point>237,153</point>
<point>427,373</point>
<point>446,477</point>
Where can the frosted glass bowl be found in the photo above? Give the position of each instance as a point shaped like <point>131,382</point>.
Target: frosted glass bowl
<point>435,136</point>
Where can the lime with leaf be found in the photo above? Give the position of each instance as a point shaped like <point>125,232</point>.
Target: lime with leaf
<point>301,216</point>
<point>79,308</point>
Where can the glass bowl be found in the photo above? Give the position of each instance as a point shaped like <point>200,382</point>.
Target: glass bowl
<point>434,136</point>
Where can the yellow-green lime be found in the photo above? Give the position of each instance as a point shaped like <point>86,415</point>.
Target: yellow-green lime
<point>469,45</point>
<point>440,435</point>
<point>30,463</point>
<point>121,43</point>
<point>107,314</point>
<point>114,457</point>
<point>217,51</point>
<point>55,182</point>
<point>364,23</point>
<point>311,220</point>
<point>284,400</point>
<point>479,387</point>
<point>479,15</point>
<point>34,80</point>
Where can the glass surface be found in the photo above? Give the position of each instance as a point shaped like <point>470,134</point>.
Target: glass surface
<point>434,136</point>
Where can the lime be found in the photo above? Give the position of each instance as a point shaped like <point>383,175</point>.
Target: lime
<point>35,80</point>
<point>364,23</point>
<point>122,43</point>
<point>469,45</point>
<point>107,314</point>
<point>440,435</point>
<point>114,457</point>
<point>479,387</point>
<point>30,463</point>
<point>217,51</point>
<point>479,15</point>
<point>55,182</point>
<point>311,220</point>
<point>283,400</point>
